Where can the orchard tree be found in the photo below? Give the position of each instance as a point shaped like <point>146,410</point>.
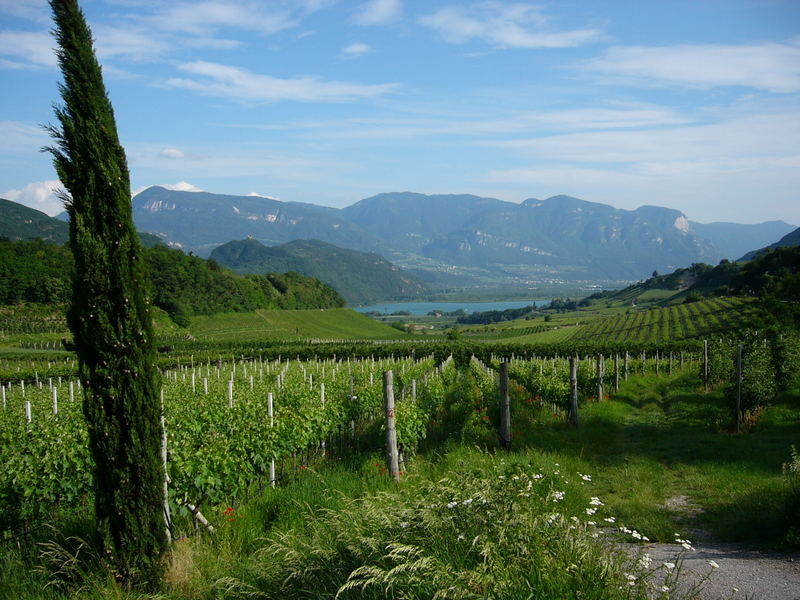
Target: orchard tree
<point>109,315</point>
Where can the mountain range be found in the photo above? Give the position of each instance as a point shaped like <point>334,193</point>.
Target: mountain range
<point>462,238</point>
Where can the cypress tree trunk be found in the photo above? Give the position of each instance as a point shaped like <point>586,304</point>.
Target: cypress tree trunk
<point>109,315</point>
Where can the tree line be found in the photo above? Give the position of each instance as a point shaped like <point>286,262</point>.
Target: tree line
<point>182,285</point>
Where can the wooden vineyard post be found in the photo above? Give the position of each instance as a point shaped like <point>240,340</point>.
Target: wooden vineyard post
<point>28,411</point>
<point>600,369</point>
<point>658,364</point>
<point>705,365</point>
<point>391,431</point>
<point>670,363</point>
<point>55,400</point>
<point>739,389</point>
<point>573,390</point>
<point>616,373</point>
<point>505,408</point>
<point>627,365</point>
<point>167,516</point>
<point>271,416</point>
<point>352,401</point>
<point>322,400</point>
<point>230,393</point>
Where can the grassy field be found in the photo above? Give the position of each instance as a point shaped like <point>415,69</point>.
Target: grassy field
<point>332,323</point>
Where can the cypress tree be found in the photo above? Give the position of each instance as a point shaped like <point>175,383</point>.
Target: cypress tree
<point>109,315</point>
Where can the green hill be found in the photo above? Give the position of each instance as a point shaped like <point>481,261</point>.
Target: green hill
<point>328,324</point>
<point>360,277</point>
<point>183,285</point>
<point>18,222</point>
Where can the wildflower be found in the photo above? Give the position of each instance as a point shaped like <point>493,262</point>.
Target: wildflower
<point>664,588</point>
<point>592,523</point>
<point>645,561</point>
<point>609,519</point>
<point>713,564</point>
<point>460,538</point>
<point>557,496</point>
<point>467,502</point>
<point>538,476</point>
<point>404,524</point>
<point>636,535</point>
<point>595,501</point>
<point>591,511</point>
<point>687,546</point>
<point>669,566</point>
<point>452,504</point>
<point>586,477</point>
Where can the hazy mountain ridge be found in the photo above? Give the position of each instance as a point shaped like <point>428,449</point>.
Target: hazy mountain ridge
<point>595,239</point>
<point>735,239</point>
<point>560,239</point>
<point>790,239</point>
<point>201,221</point>
<point>361,278</point>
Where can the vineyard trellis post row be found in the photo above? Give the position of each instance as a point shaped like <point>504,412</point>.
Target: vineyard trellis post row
<point>705,365</point>
<point>505,407</point>
<point>391,430</point>
<point>600,375</point>
<point>739,389</point>
<point>573,390</point>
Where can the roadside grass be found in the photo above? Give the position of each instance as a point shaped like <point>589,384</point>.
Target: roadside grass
<point>663,459</point>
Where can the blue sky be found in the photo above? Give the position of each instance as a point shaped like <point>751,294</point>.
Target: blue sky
<point>690,104</point>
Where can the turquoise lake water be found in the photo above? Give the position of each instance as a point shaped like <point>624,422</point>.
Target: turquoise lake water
<point>423,308</point>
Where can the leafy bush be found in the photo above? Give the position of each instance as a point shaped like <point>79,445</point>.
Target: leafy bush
<point>791,474</point>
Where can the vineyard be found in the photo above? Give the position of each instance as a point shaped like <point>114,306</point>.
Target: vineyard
<point>243,417</point>
<point>229,423</point>
<point>682,321</point>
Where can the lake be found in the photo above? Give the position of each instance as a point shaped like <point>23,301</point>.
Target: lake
<point>423,308</point>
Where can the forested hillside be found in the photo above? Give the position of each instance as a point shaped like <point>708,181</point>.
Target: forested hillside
<point>183,285</point>
<point>360,277</point>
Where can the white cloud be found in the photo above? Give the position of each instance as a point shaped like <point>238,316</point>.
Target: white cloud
<point>36,10</point>
<point>355,50</point>
<point>756,136</point>
<point>22,138</point>
<point>172,153</point>
<point>27,49</point>
<point>774,67</point>
<point>240,84</point>
<point>181,186</point>
<point>257,195</point>
<point>504,25</point>
<point>378,12</point>
<point>205,18</point>
<point>41,195</point>
<point>742,169</point>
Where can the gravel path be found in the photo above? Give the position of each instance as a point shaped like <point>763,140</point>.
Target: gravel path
<point>743,573</point>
